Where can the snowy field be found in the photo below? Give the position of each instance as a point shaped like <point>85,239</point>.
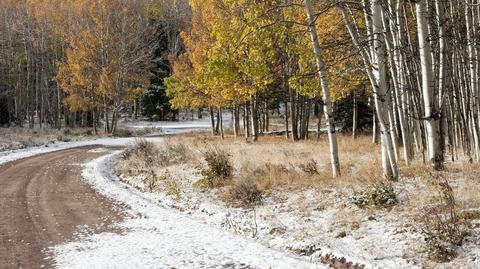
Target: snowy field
<point>175,127</point>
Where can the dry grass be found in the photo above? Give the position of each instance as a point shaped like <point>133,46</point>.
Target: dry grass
<point>274,169</point>
<point>277,162</point>
<point>17,138</point>
<point>254,169</point>
<point>244,192</point>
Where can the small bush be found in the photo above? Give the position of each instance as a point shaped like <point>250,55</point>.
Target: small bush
<point>178,151</point>
<point>442,227</point>
<point>142,131</point>
<point>62,138</point>
<point>155,117</point>
<point>150,181</point>
<point>219,168</point>
<point>246,193</point>
<point>380,194</point>
<point>29,142</point>
<point>219,163</point>
<point>171,187</point>
<point>67,132</point>
<point>310,168</point>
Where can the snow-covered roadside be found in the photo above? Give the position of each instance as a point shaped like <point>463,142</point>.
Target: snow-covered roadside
<point>13,155</point>
<point>319,222</point>
<point>173,128</point>
<point>154,129</point>
<point>298,223</point>
<point>161,237</point>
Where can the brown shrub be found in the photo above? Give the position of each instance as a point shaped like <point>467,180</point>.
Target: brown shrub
<point>310,167</point>
<point>245,193</point>
<point>219,162</point>
<point>143,149</point>
<point>219,168</point>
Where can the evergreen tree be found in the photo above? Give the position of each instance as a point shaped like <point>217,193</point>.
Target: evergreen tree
<point>155,102</point>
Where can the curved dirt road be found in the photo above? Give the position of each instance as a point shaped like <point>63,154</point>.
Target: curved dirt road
<point>43,199</point>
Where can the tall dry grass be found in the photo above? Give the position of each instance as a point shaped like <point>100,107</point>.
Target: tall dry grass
<point>276,162</point>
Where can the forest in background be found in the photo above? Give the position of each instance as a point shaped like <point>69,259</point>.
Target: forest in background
<point>72,63</point>
<point>415,63</point>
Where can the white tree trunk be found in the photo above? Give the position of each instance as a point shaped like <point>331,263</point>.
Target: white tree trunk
<point>382,96</point>
<point>322,74</point>
<point>431,113</point>
<point>376,71</point>
<point>472,55</point>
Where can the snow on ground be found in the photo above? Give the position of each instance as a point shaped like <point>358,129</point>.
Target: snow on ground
<point>13,155</point>
<point>300,225</point>
<point>191,125</point>
<point>314,222</point>
<point>175,127</point>
<point>161,237</point>
<point>163,128</point>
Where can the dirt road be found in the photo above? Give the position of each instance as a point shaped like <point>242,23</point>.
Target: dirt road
<point>43,200</point>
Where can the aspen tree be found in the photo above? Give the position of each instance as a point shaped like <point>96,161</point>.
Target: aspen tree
<point>375,66</point>
<point>431,113</point>
<point>322,73</point>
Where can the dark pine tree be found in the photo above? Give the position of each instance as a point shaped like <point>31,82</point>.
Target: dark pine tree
<point>155,103</point>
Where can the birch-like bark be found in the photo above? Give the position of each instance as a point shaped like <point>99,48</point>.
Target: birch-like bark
<point>322,74</point>
<point>254,118</point>
<point>400,92</point>
<point>236,122</point>
<point>355,117</point>
<point>431,113</point>
<point>376,71</point>
<point>472,55</point>
<point>381,94</point>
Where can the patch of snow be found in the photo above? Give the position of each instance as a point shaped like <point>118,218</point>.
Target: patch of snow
<point>166,128</point>
<point>160,237</point>
<point>171,125</point>
<point>13,155</point>
<point>305,222</point>
<point>175,127</point>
